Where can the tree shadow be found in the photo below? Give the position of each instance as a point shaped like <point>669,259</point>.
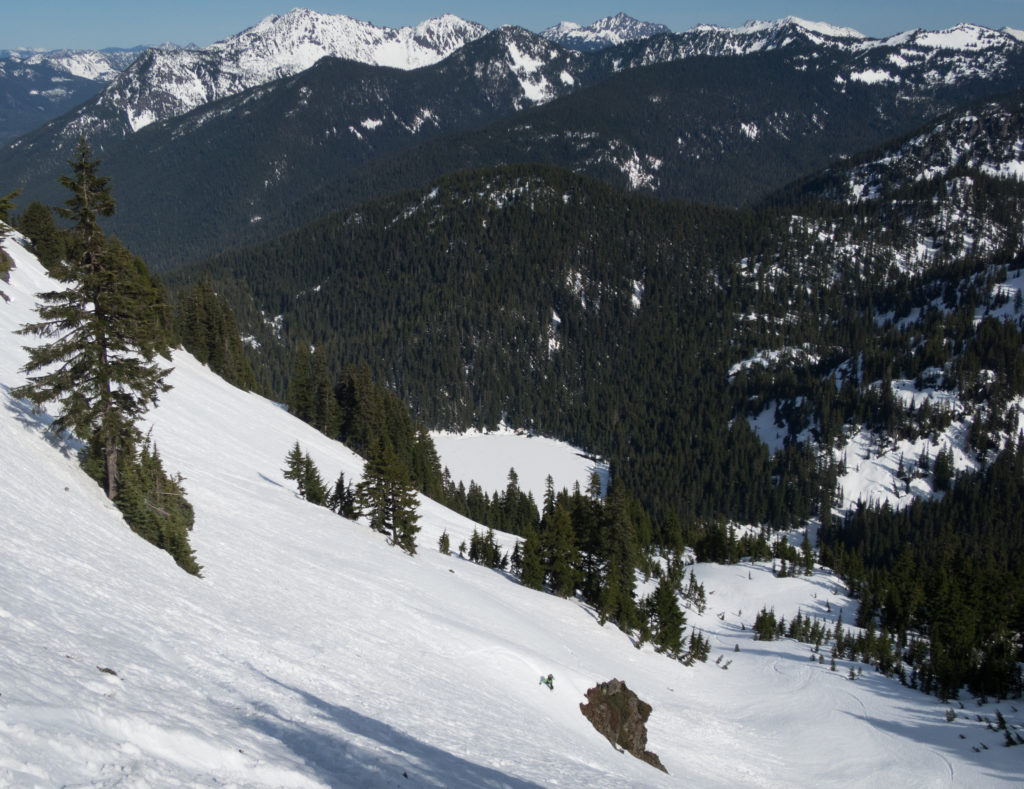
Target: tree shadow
<point>39,421</point>
<point>979,745</point>
<point>390,757</point>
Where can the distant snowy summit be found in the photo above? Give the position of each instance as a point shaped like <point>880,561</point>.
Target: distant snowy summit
<point>295,41</point>
<point>963,37</point>
<point>607,32</point>
<point>99,65</point>
<point>818,28</point>
<point>166,83</point>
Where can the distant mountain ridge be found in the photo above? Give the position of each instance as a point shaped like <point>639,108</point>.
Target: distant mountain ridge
<point>713,114</point>
<point>36,86</point>
<point>607,32</point>
<point>169,81</point>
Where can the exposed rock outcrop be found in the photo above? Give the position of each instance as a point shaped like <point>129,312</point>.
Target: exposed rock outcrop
<point>617,712</point>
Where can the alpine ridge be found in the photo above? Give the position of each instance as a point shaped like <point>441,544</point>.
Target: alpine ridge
<point>166,83</point>
<point>607,32</point>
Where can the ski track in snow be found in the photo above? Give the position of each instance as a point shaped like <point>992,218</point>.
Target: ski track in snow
<point>313,654</point>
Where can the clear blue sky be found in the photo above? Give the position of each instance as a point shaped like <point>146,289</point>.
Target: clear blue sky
<point>77,24</point>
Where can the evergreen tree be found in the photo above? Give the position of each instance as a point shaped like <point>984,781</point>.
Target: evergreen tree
<point>620,554</point>
<point>560,552</point>
<point>343,498</point>
<point>154,505</point>
<point>699,648</point>
<point>444,544</point>
<point>943,470</point>
<point>807,554</point>
<point>6,205</point>
<point>324,413</point>
<point>386,496</point>
<point>100,366</point>
<point>667,620</point>
<point>300,385</point>
<point>295,466</point>
<point>300,468</point>
<point>312,484</point>
<point>207,329</point>
<point>38,226</point>
<point>516,562</point>
<point>549,496</point>
<point>532,573</point>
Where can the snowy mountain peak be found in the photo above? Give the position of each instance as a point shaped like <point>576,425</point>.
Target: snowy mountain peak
<point>964,37</point>
<point>168,83</point>
<point>819,28</point>
<point>301,37</point>
<point>606,32</point>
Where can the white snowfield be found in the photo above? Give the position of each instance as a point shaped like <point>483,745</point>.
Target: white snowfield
<point>478,457</point>
<point>311,653</point>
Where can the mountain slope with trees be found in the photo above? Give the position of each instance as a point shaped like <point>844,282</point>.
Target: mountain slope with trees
<point>289,663</point>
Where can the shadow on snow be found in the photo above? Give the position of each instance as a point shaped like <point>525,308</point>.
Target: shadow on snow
<point>376,754</point>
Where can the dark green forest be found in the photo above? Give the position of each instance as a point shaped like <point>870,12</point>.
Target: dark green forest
<point>551,302</point>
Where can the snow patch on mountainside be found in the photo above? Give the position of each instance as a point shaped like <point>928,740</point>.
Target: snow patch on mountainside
<point>873,77</point>
<point>526,67</point>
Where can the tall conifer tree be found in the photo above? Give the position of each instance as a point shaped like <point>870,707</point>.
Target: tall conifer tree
<point>562,557</point>
<point>99,365</point>
<point>6,204</point>
<point>386,496</point>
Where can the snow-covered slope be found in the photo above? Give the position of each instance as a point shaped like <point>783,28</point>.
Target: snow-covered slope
<point>313,654</point>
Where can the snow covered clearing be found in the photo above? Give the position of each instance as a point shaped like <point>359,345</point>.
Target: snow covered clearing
<point>311,653</point>
<point>485,458</point>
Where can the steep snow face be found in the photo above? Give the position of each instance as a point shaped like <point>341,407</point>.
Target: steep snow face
<point>170,82</point>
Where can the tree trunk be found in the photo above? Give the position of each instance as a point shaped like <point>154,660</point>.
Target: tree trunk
<point>110,450</point>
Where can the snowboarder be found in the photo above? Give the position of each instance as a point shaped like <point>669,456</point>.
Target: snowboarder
<point>549,680</point>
